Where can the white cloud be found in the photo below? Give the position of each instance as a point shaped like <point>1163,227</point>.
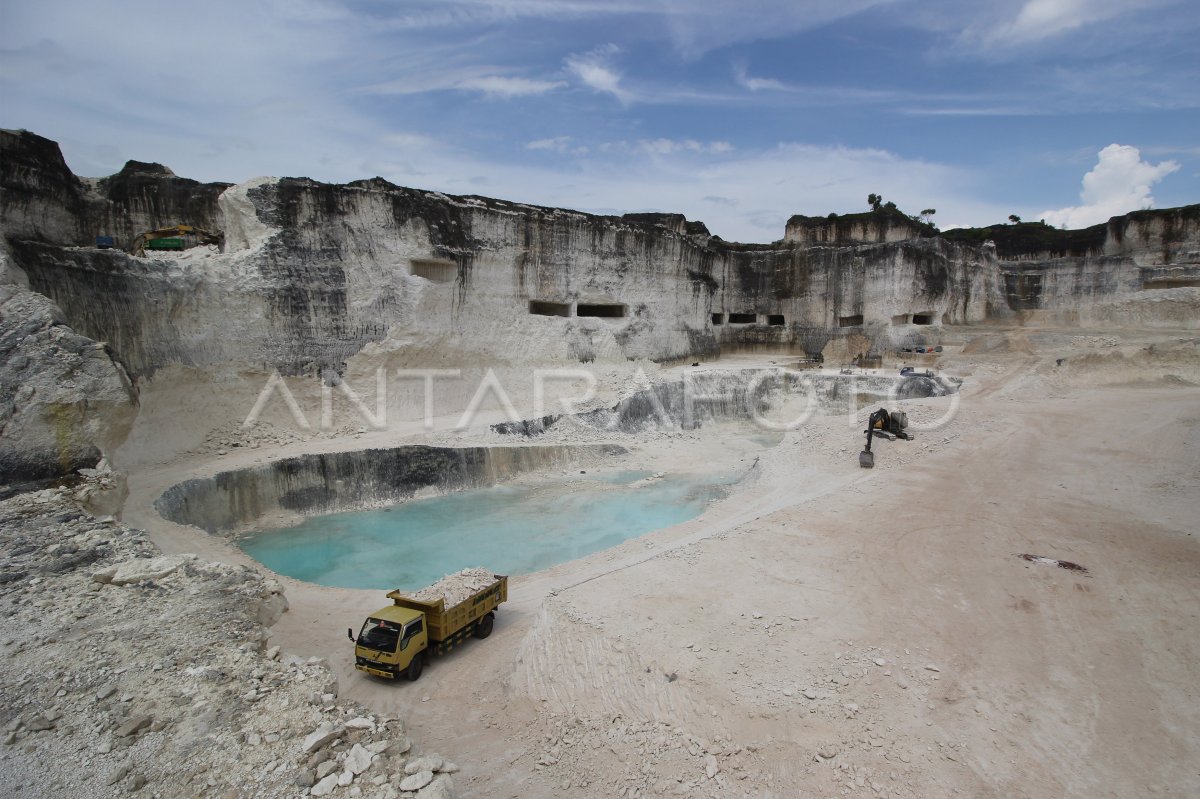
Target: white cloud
<point>423,15</point>
<point>595,71</point>
<point>756,84</point>
<point>558,144</point>
<point>500,86</point>
<point>1039,19</point>
<point>700,26</point>
<point>979,111</point>
<point>1119,183</point>
<point>408,141</point>
<point>996,27</point>
<point>661,147</point>
<point>487,80</point>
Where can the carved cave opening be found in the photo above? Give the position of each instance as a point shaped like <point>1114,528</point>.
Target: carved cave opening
<point>544,308</point>
<point>436,271</point>
<point>601,310</point>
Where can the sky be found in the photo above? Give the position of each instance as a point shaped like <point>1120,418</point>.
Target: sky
<point>737,114</point>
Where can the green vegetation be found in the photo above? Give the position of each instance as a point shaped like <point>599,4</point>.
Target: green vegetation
<point>882,213</point>
<point>1029,238</point>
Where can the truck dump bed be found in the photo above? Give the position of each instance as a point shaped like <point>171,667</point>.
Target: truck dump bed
<point>443,622</point>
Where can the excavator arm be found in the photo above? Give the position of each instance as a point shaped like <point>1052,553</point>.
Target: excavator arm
<point>886,425</point>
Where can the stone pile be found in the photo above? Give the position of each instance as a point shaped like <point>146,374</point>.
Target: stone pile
<point>454,588</point>
<point>126,672</point>
<point>229,437</point>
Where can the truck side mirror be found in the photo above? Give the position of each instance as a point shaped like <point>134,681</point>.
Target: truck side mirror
<point>350,634</point>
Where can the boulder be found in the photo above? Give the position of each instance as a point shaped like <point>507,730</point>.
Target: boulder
<point>141,569</point>
<point>424,763</point>
<point>442,787</point>
<point>415,782</point>
<point>326,786</point>
<point>322,735</point>
<point>134,725</point>
<point>359,759</point>
<point>64,400</point>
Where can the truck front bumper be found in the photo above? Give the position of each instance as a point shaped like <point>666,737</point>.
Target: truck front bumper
<point>385,670</point>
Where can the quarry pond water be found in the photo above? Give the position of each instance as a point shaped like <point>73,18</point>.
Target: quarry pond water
<point>510,529</point>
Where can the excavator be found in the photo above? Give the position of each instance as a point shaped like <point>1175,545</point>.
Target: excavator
<point>176,237</point>
<point>884,425</point>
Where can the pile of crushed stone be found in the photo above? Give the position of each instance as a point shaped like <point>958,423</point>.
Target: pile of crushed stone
<point>455,588</point>
<point>233,436</point>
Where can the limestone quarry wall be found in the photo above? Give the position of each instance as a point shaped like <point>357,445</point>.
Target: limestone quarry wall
<point>311,273</point>
<point>334,482</point>
<point>878,227</point>
<point>1140,269</point>
<point>1156,238</point>
<point>806,297</point>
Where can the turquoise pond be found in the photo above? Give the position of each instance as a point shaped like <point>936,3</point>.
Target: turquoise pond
<point>510,529</point>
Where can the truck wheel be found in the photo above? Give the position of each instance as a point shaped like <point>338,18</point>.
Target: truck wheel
<point>483,627</point>
<point>416,667</point>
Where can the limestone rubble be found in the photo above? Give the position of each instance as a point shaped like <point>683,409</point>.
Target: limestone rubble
<point>127,672</point>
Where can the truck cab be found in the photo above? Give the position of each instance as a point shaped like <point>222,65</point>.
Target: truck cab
<point>391,641</point>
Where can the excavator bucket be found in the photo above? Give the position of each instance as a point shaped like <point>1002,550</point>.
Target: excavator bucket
<point>866,459</point>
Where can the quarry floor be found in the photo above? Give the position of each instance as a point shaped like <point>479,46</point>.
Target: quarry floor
<point>827,630</point>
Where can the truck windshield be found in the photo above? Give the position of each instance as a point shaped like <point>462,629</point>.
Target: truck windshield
<point>379,634</point>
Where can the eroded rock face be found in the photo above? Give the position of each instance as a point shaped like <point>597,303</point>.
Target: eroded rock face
<point>145,196</point>
<point>63,399</point>
<point>342,481</point>
<point>43,201</point>
<point>877,227</point>
<point>312,273</point>
<point>1140,269</point>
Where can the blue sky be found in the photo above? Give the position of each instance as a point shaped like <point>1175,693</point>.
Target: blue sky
<point>738,114</point>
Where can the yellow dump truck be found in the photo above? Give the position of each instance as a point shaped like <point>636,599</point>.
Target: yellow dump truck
<point>398,639</point>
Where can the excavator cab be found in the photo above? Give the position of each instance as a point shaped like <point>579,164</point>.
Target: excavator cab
<point>884,425</point>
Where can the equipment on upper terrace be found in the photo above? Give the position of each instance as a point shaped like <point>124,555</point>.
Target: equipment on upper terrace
<point>177,237</point>
<point>884,425</point>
